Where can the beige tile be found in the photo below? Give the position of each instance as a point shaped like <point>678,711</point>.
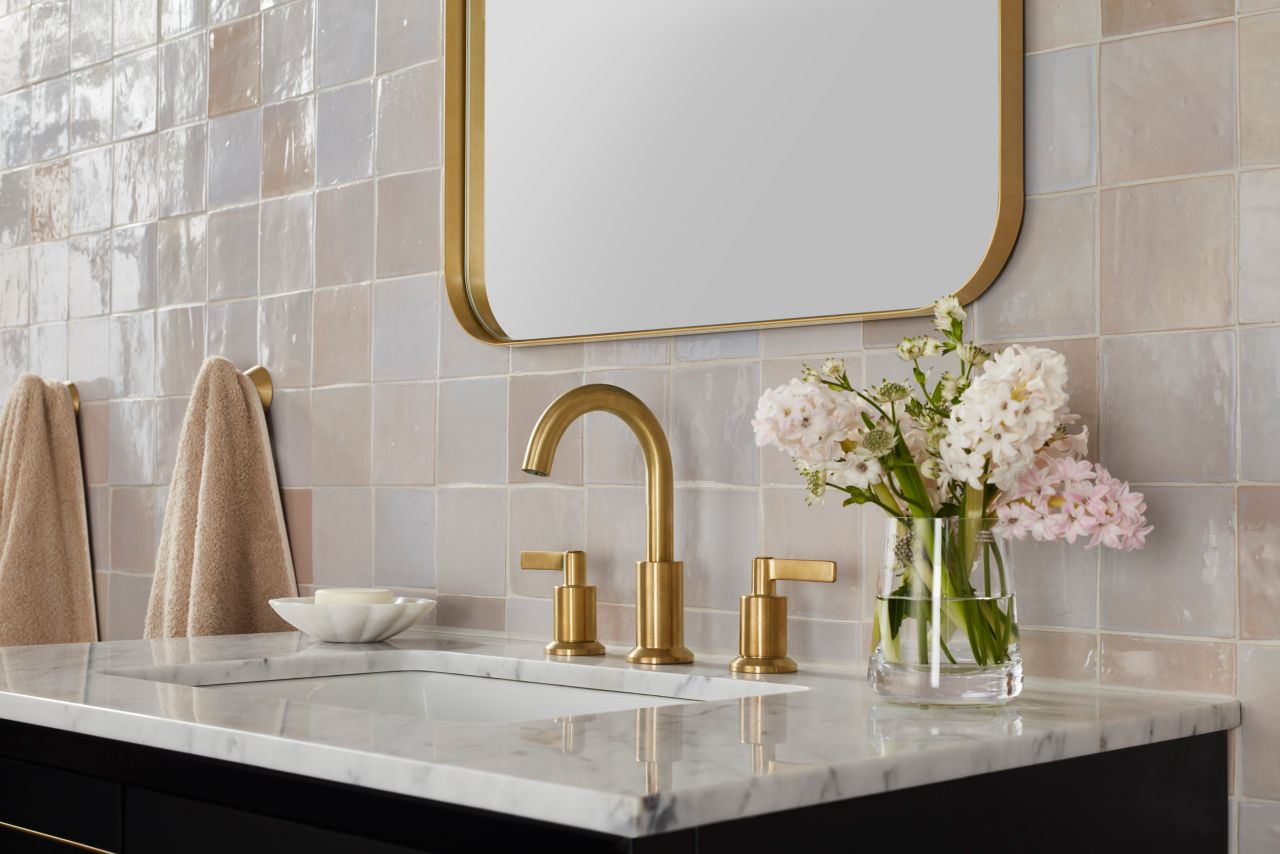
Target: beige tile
<point>284,339</point>
<point>344,234</point>
<point>1259,825</point>
<point>134,24</point>
<point>131,438</point>
<point>290,419</point>
<point>404,538</point>
<point>409,120</point>
<point>1056,583</point>
<point>180,341</point>
<point>182,260</point>
<point>231,331</point>
<point>87,340</point>
<point>93,441</point>
<point>792,529</point>
<point>344,133</point>
<point>184,80</point>
<point>233,253</point>
<point>13,357</point>
<point>404,432</point>
<point>1059,655</point>
<point>1260,89</point>
<point>811,340</point>
<point>1167,255</point>
<point>15,63</point>
<point>127,609</point>
<point>341,348</point>
<point>611,453</point>
<point>136,82</point>
<point>463,356</point>
<point>91,106</point>
<point>471,612</point>
<point>631,353</point>
<point>616,540</point>
<point>235,159</point>
<point>1258,5</point>
<point>344,40</point>
<point>709,448</point>
<point>547,357</point>
<point>1054,23</point>
<point>181,169</point>
<point>404,327</point>
<point>818,640</point>
<point>48,356</point>
<point>1127,16</point>
<point>408,33</point>
<point>49,282</point>
<point>1061,120</point>
<point>288,147</point>
<point>51,201</point>
<point>15,114</point>
<point>132,354</point>
<point>50,41</point>
<point>472,558</point>
<point>15,208</point>
<point>90,191</point>
<point>133,267</point>
<point>1168,665</point>
<point>1047,287</point>
<point>529,618</point>
<point>235,58</point>
<point>180,16</point>
<point>340,435</point>
<point>544,518</point>
<point>471,442</point>
<point>15,286</point>
<point>221,11</point>
<point>408,224</point>
<point>1259,250</point>
<point>342,537</point>
<point>286,51</point>
<point>285,245</point>
<point>714,346</point>
<point>89,268</point>
<point>170,414</point>
<point>717,537</point>
<point>529,396</point>
<point>1168,104</point>
<point>1145,378</point>
<point>50,113</point>
<point>1259,508</point>
<point>1259,692</point>
<point>297,519</point>
<point>136,193</point>
<point>1259,403</point>
<point>90,31</point>
<point>1190,558</point>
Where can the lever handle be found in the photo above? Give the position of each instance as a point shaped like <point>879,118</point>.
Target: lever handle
<point>574,603</point>
<point>574,564</point>
<point>766,570</point>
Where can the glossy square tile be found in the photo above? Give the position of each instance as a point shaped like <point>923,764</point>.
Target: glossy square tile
<point>1124,16</point>
<point>344,234</point>
<point>409,119</point>
<point>544,518</point>
<point>50,118</point>
<point>133,354</point>
<point>50,39</point>
<point>131,461</point>
<point>15,117</point>
<point>284,339</point>
<point>49,282</point>
<point>87,341</point>
<point>486,613</point>
<point>233,253</point>
<point>628,354</point>
<point>548,357</point>
<point>51,200</point>
<point>182,260</point>
<point>48,356</point>
<point>235,159</point>
<point>93,444</point>
<point>342,326</point>
<point>408,33</point>
<point>408,224</point>
<point>1259,76</point>
<point>724,453</point>
<point>404,328</point>
<point>288,147</point>
<point>1259,251</point>
<point>135,171</point>
<point>1259,384</point>
<point>231,331</point>
<point>472,559</point>
<point>133,267</point>
<point>15,63</point>
<point>180,344</point>
<point>1057,583</point>
<point>529,395</point>
<point>136,85</point>
<point>184,80</point>
<point>180,16</point>
<point>344,133</point>
<point>404,433</point>
<point>1169,665</point>
<point>340,435</point>
<point>1061,120</point>
<point>90,29</point>
<point>285,245</point>
<point>15,283</point>
<point>221,11</point>
<point>342,536</point>
<point>89,274</point>
<point>1259,537</point>
<point>133,529</point>
<point>287,57</point>
<point>14,351</point>
<point>15,208</point>
<point>1055,23</point>
<point>471,437</point>
<point>91,105</point>
<point>724,565</point>
<point>1259,692</point>
<point>135,24</point>
<point>714,346</point>
<point>127,605</point>
<point>404,538</point>
<point>290,419</point>
<point>90,191</point>
<point>170,414</point>
<point>1059,655</point>
<point>235,61</point>
<point>344,40</point>
<point>1259,825</point>
<point>181,168</point>
<point>811,340</point>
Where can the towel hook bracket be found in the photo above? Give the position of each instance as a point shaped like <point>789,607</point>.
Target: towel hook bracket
<point>262,382</point>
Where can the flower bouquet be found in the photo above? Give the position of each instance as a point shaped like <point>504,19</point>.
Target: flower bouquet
<point>962,463</point>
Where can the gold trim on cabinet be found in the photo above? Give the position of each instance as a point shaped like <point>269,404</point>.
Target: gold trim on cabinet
<point>464,186</point>
<point>49,836</point>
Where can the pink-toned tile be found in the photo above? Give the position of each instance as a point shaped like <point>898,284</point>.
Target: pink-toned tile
<point>717,449</point>
<point>529,396</point>
<point>611,453</point>
<point>127,608</point>
<point>90,31</point>
<point>297,520</point>
<point>1055,23</point>
<point>340,435</point>
<point>1126,16</point>
<point>404,430</point>
<point>471,442</point>
<point>1057,583</point>
<point>89,268</point>
<point>482,613</point>
<point>544,518</point>
<point>548,357</point>
<point>133,267</point>
<point>1059,655</point>
<point>1259,508</point>
<point>408,33</point>
<point>1061,120</point>
<point>528,618</point>
<point>615,540</point>
<point>342,537</point>
<point>1190,557</point>
<point>284,339</point>
<point>404,538</point>
<point>285,246</point>
<point>1259,250</point>
<point>231,331</point>
<point>344,238</point>
<point>235,159</point>
<point>180,341</point>
<point>1258,5</point>
<point>1260,89</point>
<point>87,340</point>
<point>131,436</point>
<point>286,51</point>
<point>181,169</point>
<point>137,80</point>
<point>135,24</point>
<point>409,119</point>
<point>344,133</point>
<point>717,568</point>
<point>93,428</point>
<point>132,354</point>
<point>1134,661</point>
<point>184,80</point>
<point>408,224</point>
<point>51,200</point>
<point>171,412</point>
<point>471,559</point>
<point>290,419</point>
<point>50,116</point>
<point>233,253</point>
<point>792,529</point>
<point>344,41</point>
<point>235,56</point>
<point>1168,103</point>
<point>91,105</point>
<point>1143,379</point>
<point>15,208</point>
<point>1259,692</point>
<point>49,282</point>
<point>90,191</point>
<point>404,320</point>
<point>341,335</point>
<point>136,194</point>
<point>182,260</point>
<point>1167,255</point>
<point>1259,404</point>
<point>288,147</point>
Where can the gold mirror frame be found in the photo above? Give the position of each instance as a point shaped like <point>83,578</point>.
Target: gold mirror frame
<point>464,185</point>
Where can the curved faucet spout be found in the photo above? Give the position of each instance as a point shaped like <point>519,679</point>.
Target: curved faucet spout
<point>659,480</point>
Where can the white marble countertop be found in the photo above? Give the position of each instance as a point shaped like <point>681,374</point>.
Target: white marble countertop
<point>629,773</point>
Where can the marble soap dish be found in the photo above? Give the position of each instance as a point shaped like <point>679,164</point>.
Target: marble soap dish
<point>352,622</point>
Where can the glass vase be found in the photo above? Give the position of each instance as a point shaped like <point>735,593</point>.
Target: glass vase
<point>945,629</point>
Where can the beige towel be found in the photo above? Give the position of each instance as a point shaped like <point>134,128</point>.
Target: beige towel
<point>46,584</point>
<point>223,549</point>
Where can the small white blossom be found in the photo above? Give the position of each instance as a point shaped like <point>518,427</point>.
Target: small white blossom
<point>945,312</point>
<point>808,420</point>
<point>910,349</point>
<point>930,346</point>
<point>857,471</point>
<point>833,368</point>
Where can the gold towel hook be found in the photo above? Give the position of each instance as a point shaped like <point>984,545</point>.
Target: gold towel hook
<point>75,396</point>
<point>262,382</point>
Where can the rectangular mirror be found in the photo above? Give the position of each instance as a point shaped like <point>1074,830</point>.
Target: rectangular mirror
<point>630,167</point>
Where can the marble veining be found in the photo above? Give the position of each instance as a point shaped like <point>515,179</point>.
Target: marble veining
<point>742,746</point>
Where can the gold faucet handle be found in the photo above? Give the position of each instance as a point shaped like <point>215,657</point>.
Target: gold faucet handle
<point>767,570</point>
<point>574,564</point>
<point>762,633</point>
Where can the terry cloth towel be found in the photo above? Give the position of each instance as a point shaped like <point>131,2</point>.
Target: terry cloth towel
<point>46,583</point>
<point>224,550</point>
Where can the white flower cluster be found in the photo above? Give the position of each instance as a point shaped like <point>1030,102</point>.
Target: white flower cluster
<point>1009,412</point>
<point>809,421</point>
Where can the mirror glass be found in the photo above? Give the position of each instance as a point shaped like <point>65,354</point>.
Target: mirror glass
<point>643,165</point>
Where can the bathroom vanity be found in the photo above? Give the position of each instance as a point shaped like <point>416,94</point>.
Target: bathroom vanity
<point>445,742</point>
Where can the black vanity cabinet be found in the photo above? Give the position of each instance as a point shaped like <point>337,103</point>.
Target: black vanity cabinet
<point>62,792</point>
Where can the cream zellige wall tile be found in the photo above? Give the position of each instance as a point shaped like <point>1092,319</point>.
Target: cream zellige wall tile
<point>1054,23</point>
<point>1260,89</point>
<point>1126,16</point>
<point>344,40</point>
<point>182,260</point>
<point>1259,250</point>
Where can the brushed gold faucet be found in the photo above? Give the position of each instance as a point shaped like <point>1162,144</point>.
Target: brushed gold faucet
<point>659,577</point>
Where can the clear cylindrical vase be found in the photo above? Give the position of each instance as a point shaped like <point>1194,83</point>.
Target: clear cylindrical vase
<point>945,629</point>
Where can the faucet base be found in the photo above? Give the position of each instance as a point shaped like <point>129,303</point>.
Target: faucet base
<point>659,655</point>
<point>574,648</point>
<point>754,664</point>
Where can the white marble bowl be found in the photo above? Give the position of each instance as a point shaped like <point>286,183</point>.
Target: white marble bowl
<point>352,623</point>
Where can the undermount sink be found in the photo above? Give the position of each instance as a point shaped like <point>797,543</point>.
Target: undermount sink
<point>454,686</point>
